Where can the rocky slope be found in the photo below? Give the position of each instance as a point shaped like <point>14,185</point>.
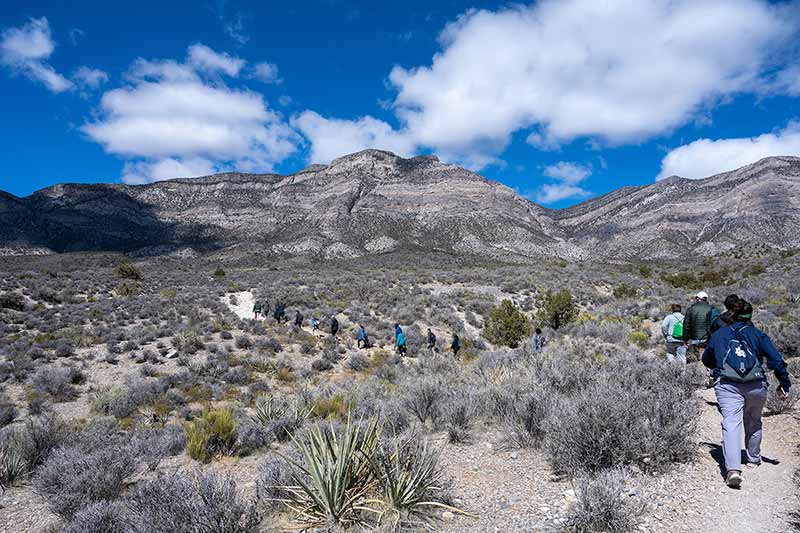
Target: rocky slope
<point>375,202</point>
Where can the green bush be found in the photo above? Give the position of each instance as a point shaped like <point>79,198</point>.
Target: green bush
<point>219,273</point>
<point>624,291</point>
<point>506,325</point>
<point>211,435</point>
<point>639,338</point>
<point>558,309</point>
<point>127,270</point>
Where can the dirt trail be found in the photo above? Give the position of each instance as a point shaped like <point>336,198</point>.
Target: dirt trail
<point>244,304</point>
<point>702,501</point>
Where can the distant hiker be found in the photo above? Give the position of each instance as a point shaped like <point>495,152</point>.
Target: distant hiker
<point>401,343</point>
<point>334,326</point>
<point>672,330</point>
<point>726,318</point>
<point>431,340</point>
<point>363,340</point>
<point>280,312</point>
<point>298,319</point>
<point>397,331</point>
<point>257,310</point>
<point>697,326</point>
<point>455,345</point>
<point>314,324</point>
<point>539,340</point>
<point>265,310</point>
<point>735,354</point>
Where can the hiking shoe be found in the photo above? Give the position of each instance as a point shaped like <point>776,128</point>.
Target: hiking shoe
<point>733,479</point>
<point>753,464</point>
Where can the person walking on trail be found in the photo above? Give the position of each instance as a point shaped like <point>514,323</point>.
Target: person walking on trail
<point>298,319</point>
<point>363,340</point>
<point>697,328</point>
<point>431,341</point>
<point>401,343</point>
<point>334,326</point>
<point>736,354</point>
<point>397,331</point>
<point>539,341</point>
<point>455,345</point>
<point>280,312</point>
<point>265,310</point>
<point>725,318</point>
<point>314,324</point>
<point>257,310</point>
<point>672,330</point>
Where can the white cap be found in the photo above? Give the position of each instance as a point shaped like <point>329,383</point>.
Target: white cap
<point>702,295</point>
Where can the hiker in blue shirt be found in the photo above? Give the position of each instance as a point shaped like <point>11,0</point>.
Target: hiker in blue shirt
<point>401,343</point>
<point>363,340</point>
<point>735,354</point>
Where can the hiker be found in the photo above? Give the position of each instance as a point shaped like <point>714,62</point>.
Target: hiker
<point>280,312</point>
<point>401,343</point>
<point>314,324</point>
<point>298,319</point>
<point>431,340</point>
<point>735,354</point>
<point>455,345</point>
<point>256,310</point>
<point>539,341</point>
<point>397,331</point>
<point>363,340</point>
<point>334,326</point>
<point>265,310</point>
<point>697,327</point>
<point>725,318</point>
<point>672,330</point>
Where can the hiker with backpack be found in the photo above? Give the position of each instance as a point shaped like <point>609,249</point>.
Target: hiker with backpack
<point>314,324</point>
<point>257,310</point>
<point>280,312</point>
<point>455,345</point>
<point>298,319</point>
<point>725,318</point>
<point>334,326</point>
<point>539,341</point>
<point>431,341</point>
<point>697,328</point>
<point>363,339</point>
<point>672,330</point>
<point>736,354</point>
<point>400,343</point>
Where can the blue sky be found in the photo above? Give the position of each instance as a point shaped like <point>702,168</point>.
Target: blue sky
<point>560,100</point>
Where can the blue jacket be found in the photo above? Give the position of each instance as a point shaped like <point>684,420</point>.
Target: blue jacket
<point>758,341</point>
<point>362,334</point>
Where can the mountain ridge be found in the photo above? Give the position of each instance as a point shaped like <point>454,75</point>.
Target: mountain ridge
<point>374,201</point>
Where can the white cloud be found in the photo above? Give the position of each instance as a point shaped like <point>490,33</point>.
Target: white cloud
<point>568,176</point>
<point>331,138</point>
<point>89,78</point>
<point>614,72</point>
<point>24,50</point>
<point>706,157</point>
<point>266,73</point>
<point>170,121</point>
<point>205,59</point>
<point>235,29</point>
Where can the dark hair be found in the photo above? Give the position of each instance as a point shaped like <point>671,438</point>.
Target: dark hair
<point>742,310</point>
<point>538,331</point>
<point>730,301</point>
<point>676,308</point>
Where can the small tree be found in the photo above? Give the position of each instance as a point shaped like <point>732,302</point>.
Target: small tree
<point>558,309</point>
<point>506,325</point>
<point>127,270</point>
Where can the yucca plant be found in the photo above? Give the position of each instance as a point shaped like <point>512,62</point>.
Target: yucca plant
<point>13,465</point>
<point>332,486</point>
<point>267,409</point>
<point>411,485</point>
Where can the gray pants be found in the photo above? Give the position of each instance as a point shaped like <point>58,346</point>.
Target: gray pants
<point>741,405</point>
<point>676,353</point>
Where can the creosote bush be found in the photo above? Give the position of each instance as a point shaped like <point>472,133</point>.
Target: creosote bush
<point>211,435</point>
<point>506,325</point>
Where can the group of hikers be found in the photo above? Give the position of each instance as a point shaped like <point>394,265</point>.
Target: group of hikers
<point>734,350</point>
<point>261,310</point>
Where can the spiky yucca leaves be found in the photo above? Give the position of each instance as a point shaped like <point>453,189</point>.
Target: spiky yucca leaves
<point>267,409</point>
<point>332,485</point>
<point>411,485</point>
<point>13,465</point>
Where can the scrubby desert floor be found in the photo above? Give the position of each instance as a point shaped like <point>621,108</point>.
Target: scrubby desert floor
<point>117,359</point>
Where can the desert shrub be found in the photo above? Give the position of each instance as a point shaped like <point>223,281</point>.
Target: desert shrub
<point>13,464</point>
<point>602,505</point>
<point>244,342</point>
<point>99,517</point>
<point>219,273</point>
<point>331,407</point>
<point>211,435</point>
<point>423,398</point>
<point>274,473</point>
<point>639,338</point>
<point>128,288</point>
<point>54,381</point>
<point>524,417</point>
<point>624,291</point>
<point>557,309</point>
<point>71,478</point>
<point>8,411</point>
<point>129,271</point>
<point>457,416</point>
<point>633,412</point>
<point>506,325</point>
<point>206,503</point>
<point>358,362</point>
<point>40,436</point>
<point>251,435</point>
<point>322,364</point>
<point>12,300</point>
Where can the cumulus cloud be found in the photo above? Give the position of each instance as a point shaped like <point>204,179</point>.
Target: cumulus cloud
<point>706,157</point>
<point>331,138</point>
<point>567,178</point>
<point>266,73</point>
<point>89,78</point>
<point>25,50</point>
<point>614,72</point>
<point>204,58</point>
<point>172,121</point>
